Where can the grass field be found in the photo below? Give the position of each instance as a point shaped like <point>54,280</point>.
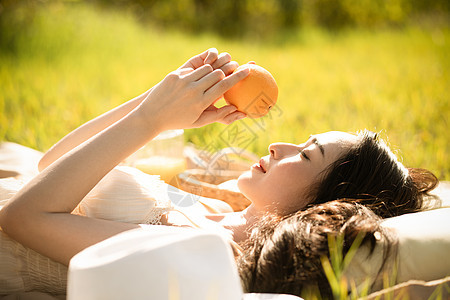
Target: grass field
<point>73,62</point>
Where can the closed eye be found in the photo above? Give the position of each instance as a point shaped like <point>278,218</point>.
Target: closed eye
<point>304,155</point>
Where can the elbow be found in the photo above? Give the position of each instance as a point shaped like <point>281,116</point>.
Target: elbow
<point>41,166</point>
<point>47,159</point>
<point>6,220</point>
<point>43,163</point>
<point>12,220</point>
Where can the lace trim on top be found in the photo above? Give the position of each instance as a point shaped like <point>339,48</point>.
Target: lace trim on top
<point>163,203</point>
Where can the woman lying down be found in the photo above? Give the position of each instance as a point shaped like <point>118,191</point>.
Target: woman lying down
<point>334,183</point>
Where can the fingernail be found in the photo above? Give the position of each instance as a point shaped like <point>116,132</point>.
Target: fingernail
<point>208,60</point>
<point>232,108</point>
<point>240,116</point>
<point>246,71</point>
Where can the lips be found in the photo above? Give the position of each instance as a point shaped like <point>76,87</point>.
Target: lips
<point>261,165</point>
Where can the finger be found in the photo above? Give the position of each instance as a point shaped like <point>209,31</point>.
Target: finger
<point>199,73</point>
<point>213,114</point>
<point>252,62</point>
<point>224,111</point>
<point>229,68</point>
<point>211,56</point>
<point>185,71</point>
<point>198,60</point>
<point>221,60</point>
<point>211,79</point>
<point>230,118</point>
<point>224,85</point>
<point>193,62</point>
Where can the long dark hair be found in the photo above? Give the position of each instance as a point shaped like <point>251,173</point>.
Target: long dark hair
<point>366,184</point>
<point>285,255</point>
<point>369,173</point>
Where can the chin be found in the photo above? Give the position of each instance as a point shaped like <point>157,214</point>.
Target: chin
<point>241,179</point>
<point>244,182</point>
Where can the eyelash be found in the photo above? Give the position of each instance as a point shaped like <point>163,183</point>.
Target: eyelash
<point>304,155</point>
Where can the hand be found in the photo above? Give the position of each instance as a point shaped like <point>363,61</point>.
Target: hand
<point>185,98</point>
<point>212,57</point>
<point>226,114</point>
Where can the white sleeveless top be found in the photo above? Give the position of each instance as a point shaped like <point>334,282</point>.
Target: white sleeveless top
<point>125,194</point>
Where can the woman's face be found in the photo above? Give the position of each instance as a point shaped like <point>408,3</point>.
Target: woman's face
<point>280,180</point>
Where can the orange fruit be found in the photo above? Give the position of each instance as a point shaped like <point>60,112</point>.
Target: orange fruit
<point>254,95</point>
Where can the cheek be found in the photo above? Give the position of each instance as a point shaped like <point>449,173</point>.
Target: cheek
<point>276,187</point>
<point>292,188</point>
<point>290,177</point>
<point>284,188</point>
<point>289,188</point>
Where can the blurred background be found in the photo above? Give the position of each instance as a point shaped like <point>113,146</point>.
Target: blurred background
<point>339,64</point>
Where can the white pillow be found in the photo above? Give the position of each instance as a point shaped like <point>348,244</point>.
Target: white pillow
<point>424,244</point>
<point>422,254</point>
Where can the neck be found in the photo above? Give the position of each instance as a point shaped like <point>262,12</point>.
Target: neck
<point>239,223</point>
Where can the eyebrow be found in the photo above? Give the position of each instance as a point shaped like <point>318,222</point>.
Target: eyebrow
<point>315,141</point>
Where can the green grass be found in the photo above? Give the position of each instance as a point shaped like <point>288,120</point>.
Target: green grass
<point>72,62</point>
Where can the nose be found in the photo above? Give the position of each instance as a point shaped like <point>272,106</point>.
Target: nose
<point>280,150</point>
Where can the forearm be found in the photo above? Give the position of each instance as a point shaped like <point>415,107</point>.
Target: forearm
<point>62,185</point>
<point>88,130</point>
<point>39,216</point>
<point>41,210</point>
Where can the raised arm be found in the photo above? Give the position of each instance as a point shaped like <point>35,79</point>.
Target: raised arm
<point>89,129</point>
<point>39,216</point>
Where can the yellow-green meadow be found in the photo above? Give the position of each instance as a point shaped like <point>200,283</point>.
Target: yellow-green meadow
<point>73,62</point>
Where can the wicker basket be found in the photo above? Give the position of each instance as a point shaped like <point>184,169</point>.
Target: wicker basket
<point>187,181</point>
<point>205,173</point>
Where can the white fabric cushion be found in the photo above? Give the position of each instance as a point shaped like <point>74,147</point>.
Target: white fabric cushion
<point>16,160</point>
<point>424,244</point>
<point>9,187</point>
<point>160,263</point>
<point>423,248</point>
<point>257,296</point>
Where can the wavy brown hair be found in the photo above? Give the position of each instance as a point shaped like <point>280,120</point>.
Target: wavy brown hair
<point>369,173</point>
<point>283,255</point>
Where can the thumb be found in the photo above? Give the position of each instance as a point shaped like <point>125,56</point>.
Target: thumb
<point>213,114</point>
